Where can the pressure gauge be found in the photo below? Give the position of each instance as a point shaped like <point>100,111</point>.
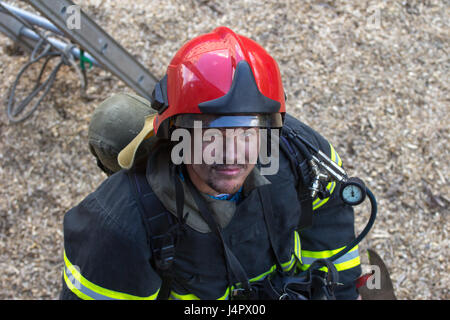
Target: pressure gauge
<point>353,191</point>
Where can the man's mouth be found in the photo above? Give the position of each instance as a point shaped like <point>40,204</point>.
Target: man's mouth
<point>228,170</point>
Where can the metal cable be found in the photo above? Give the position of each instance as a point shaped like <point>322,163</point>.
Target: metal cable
<point>45,51</point>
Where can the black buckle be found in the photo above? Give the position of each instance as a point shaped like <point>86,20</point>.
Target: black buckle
<point>160,102</point>
<point>304,171</point>
<point>164,254</point>
<point>242,294</point>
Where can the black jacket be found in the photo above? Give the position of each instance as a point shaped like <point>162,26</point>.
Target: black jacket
<point>107,255</point>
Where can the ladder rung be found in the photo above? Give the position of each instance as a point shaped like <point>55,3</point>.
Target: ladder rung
<point>93,39</point>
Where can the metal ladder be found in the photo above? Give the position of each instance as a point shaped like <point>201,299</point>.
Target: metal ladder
<point>89,38</point>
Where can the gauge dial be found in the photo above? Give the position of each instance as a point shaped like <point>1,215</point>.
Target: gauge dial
<point>353,191</point>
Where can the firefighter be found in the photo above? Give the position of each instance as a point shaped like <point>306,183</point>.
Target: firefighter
<point>174,225</point>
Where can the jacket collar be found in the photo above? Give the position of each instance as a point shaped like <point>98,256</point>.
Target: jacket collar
<point>160,178</point>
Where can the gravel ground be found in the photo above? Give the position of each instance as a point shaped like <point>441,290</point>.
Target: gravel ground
<point>371,76</point>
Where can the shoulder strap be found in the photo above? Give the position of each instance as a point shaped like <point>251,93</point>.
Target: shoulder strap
<point>302,172</point>
<point>264,196</point>
<point>232,264</point>
<point>159,225</point>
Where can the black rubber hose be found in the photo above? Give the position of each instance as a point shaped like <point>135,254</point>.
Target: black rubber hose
<point>366,230</point>
<point>13,108</point>
<point>299,143</point>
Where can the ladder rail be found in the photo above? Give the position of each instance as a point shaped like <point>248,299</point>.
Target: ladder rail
<point>31,18</point>
<point>100,45</point>
<point>27,38</point>
<point>13,28</point>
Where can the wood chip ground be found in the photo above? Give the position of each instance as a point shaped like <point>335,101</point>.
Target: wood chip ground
<point>371,76</point>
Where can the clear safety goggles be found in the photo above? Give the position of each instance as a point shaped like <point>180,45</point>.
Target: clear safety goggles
<point>271,120</point>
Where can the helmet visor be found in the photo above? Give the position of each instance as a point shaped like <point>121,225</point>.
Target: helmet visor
<point>270,120</point>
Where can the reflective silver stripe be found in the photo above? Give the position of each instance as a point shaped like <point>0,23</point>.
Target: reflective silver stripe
<point>288,265</point>
<point>346,257</point>
<point>91,294</point>
<point>85,289</point>
<point>319,202</point>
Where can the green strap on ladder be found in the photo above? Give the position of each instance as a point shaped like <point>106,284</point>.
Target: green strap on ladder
<point>83,60</point>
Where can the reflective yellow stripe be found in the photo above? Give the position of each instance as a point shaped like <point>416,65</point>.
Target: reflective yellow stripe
<point>335,156</point>
<point>297,246</point>
<point>348,264</point>
<point>225,296</point>
<point>261,276</point>
<point>189,296</point>
<point>317,203</point>
<point>339,266</point>
<point>287,266</point>
<point>349,260</point>
<point>177,296</point>
<point>85,289</point>
<point>324,254</point>
<point>72,288</point>
<point>320,202</point>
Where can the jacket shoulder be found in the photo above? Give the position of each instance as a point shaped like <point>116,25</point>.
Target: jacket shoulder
<point>309,133</point>
<point>113,205</point>
<point>106,254</point>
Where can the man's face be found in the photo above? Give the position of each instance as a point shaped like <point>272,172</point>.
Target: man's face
<point>228,156</point>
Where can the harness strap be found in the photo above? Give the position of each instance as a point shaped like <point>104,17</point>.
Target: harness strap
<point>269,220</point>
<point>302,172</point>
<point>159,226</point>
<point>232,263</point>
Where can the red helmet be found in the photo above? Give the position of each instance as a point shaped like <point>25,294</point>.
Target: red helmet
<point>223,79</point>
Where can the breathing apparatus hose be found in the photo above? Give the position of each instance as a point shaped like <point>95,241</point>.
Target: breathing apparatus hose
<point>373,215</point>
<point>303,144</point>
<point>351,245</point>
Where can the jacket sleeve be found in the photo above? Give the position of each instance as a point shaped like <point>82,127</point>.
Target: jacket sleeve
<point>332,224</point>
<point>331,231</point>
<point>106,255</point>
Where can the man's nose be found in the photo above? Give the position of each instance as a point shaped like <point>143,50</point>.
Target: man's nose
<point>230,149</point>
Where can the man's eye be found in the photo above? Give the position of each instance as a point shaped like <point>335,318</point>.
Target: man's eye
<point>208,136</point>
<point>248,133</point>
